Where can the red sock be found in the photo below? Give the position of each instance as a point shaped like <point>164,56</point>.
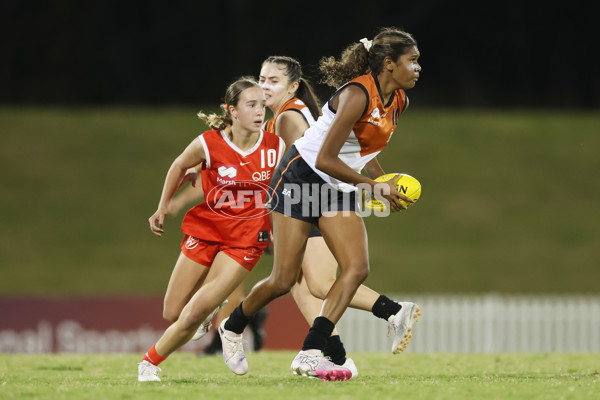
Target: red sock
<point>152,357</point>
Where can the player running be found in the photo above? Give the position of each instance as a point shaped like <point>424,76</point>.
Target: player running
<point>357,123</point>
<point>226,234</point>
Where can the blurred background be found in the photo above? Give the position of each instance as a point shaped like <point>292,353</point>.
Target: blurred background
<point>503,131</point>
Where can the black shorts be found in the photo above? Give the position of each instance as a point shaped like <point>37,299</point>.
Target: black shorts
<point>297,191</point>
<point>314,232</point>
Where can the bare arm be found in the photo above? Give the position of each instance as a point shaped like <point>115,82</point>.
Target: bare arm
<point>193,155</point>
<point>350,108</point>
<point>191,194</point>
<point>290,126</point>
<point>374,169</point>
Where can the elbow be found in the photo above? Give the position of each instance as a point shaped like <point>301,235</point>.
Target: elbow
<point>321,164</point>
<point>178,166</point>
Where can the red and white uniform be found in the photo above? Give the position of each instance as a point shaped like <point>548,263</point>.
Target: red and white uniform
<point>370,134</point>
<point>235,184</point>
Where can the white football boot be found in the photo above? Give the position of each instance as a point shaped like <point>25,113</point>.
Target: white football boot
<point>401,324</point>
<point>312,364</point>
<point>148,372</point>
<point>233,350</point>
<point>207,324</point>
<point>349,364</point>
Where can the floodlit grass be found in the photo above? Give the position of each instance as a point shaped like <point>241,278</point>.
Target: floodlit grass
<point>509,202</point>
<point>382,376</point>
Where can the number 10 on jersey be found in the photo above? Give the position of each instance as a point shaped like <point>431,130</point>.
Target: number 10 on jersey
<point>270,159</point>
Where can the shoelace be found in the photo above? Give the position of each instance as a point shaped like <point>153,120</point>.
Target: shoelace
<point>238,346</point>
<point>390,328</point>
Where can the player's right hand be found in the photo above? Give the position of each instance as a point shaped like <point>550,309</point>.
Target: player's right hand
<point>394,196</point>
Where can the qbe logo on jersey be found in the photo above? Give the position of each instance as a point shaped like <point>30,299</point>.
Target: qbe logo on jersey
<point>244,201</point>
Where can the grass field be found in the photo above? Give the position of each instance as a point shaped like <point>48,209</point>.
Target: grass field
<point>509,202</point>
<point>382,376</point>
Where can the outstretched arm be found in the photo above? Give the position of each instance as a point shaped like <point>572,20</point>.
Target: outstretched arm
<point>193,155</point>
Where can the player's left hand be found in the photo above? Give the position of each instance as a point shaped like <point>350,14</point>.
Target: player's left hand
<point>156,222</point>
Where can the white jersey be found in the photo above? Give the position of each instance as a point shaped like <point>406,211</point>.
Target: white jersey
<point>369,135</point>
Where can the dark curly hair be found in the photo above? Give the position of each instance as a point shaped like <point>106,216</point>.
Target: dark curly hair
<point>356,60</point>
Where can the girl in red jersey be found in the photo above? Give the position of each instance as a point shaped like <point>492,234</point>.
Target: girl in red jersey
<point>357,123</point>
<point>227,233</point>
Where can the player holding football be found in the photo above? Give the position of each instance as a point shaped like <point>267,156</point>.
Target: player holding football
<point>295,109</point>
<point>357,123</point>
<point>227,233</point>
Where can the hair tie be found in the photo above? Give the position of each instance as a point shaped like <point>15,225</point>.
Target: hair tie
<point>367,43</point>
<point>225,107</point>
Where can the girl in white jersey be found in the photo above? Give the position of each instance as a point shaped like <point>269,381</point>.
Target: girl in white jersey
<point>295,109</point>
<point>358,122</point>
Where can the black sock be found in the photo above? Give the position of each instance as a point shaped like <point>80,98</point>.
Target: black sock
<point>385,307</point>
<point>318,334</point>
<point>237,320</point>
<point>335,350</point>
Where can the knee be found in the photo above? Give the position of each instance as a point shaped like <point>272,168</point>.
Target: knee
<point>170,314</point>
<point>321,288</point>
<point>357,273</point>
<point>280,285</point>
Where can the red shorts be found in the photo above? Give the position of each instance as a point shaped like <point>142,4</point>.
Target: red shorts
<point>204,252</point>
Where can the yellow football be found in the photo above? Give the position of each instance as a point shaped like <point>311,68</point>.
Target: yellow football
<point>405,184</point>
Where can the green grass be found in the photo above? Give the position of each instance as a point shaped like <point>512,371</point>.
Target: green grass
<point>509,202</point>
<point>382,376</point>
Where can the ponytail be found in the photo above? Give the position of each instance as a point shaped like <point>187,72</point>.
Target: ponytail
<point>232,97</point>
<point>215,121</point>
<point>353,62</point>
<point>306,93</point>
<point>365,56</point>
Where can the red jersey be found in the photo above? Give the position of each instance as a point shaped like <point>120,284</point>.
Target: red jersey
<point>235,184</point>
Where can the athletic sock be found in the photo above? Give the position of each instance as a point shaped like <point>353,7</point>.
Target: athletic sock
<point>335,350</point>
<point>385,307</point>
<point>318,334</point>
<point>237,321</point>
<point>153,357</point>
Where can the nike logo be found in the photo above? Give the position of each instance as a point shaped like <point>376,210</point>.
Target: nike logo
<point>248,259</point>
<point>245,163</point>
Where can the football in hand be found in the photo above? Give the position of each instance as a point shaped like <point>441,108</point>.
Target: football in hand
<point>405,184</point>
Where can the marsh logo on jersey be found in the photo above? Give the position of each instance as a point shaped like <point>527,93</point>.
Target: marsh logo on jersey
<point>227,171</point>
